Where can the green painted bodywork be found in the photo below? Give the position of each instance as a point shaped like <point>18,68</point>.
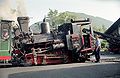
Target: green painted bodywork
<point>5,47</point>
<point>5,44</point>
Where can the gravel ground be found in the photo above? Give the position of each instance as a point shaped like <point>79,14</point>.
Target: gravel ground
<point>89,69</point>
<point>76,70</point>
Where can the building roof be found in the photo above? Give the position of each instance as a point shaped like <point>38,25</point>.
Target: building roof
<point>113,27</point>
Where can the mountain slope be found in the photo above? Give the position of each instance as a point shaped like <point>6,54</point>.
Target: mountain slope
<point>96,21</point>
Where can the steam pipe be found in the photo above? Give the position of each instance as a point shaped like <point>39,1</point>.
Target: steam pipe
<point>75,21</point>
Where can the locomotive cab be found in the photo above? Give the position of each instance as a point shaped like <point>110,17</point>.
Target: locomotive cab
<point>5,40</point>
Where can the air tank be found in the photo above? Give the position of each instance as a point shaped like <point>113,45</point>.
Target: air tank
<point>45,27</point>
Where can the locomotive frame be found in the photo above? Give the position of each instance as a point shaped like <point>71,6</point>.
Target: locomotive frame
<point>64,46</point>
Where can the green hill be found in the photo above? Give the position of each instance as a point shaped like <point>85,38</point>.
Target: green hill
<point>35,27</point>
<point>97,22</point>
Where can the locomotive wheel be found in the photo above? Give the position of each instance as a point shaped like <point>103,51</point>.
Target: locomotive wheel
<point>17,62</point>
<point>27,63</point>
<point>82,59</point>
<point>65,59</point>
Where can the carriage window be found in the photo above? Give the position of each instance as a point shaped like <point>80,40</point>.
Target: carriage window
<point>5,34</point>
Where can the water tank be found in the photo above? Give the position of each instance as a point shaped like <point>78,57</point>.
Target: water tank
<point>45,28</point>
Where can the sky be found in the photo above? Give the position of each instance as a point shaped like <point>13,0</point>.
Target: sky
<point>37,9</point>
<point>107,9</point>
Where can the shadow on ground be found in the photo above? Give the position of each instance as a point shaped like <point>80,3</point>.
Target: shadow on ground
<point>95,71</point>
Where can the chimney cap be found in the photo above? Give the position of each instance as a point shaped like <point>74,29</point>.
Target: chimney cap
<point>22,18</point>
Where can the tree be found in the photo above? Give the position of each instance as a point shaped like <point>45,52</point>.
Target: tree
<point>65,17</point>
<point>1,18</point>
<point>97,28</point>
<point>53,17</point>
<point>52,13</point>
<point>103,28</point>
<point>59,18</point>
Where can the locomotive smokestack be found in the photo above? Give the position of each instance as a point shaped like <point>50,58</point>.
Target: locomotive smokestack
<point>45,27</point>
<point>23,23</point>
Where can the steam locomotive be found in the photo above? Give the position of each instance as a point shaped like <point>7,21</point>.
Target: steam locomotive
<point>66,44</point>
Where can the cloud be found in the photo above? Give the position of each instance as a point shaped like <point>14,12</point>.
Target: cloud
<point>5,9</point>
<point>109,0</point>
<point>8,12</point>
